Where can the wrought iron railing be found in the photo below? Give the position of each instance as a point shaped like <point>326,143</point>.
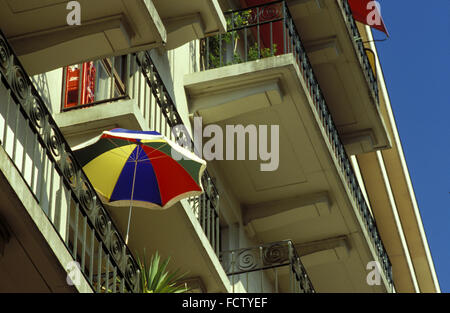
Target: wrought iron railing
<point>360,50</point>
<point>256,21</point>
<point>267,261</point>
<point>41,154</point>
<point>205,206</point>
<point>206,210</point>
<point>258,32</point>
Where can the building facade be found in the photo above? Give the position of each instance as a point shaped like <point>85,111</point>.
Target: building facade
<point>326,205</point>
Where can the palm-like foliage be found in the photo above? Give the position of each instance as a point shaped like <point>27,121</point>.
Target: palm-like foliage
<point>156,279</point>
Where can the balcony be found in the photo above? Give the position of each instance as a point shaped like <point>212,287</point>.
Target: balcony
<point>128,92</point>
<point>254,76</point>
<point>273,267</point>
<point>49,204</point>
<point>189,20</point>
<point>335,48</point>
<point>43,40</point>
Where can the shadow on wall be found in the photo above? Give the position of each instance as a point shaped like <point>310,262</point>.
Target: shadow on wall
<point>40,82</point>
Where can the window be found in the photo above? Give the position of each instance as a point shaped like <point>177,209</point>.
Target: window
<point>94,82</point>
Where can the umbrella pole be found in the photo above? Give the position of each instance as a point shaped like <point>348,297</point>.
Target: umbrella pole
<point>132,194</point>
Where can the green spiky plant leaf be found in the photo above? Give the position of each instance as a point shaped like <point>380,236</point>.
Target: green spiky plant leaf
<point>155,278</point>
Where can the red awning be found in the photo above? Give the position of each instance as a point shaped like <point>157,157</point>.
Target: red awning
<point>368,12</point>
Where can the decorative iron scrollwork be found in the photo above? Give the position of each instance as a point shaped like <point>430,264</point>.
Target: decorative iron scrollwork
<point>88,199</point>
<point>275,254</point>
<point>247,260</point>
<point>265,257</point>
<point>115,246</point>
<point>262,14</point>
<point>4,55</point>
<point>19,83</point>
<point>131,271</point>
<point>101,223</point>
<point>54,141</point>
<point>36,112</point>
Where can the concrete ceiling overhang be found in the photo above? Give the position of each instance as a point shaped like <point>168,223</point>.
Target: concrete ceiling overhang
<point>42,38</point>
<point>187,20</point>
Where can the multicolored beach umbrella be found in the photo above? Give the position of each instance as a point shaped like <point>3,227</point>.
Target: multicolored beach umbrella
<point>140,168</point>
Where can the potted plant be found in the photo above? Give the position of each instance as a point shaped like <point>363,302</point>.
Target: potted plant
<point>155,278</point>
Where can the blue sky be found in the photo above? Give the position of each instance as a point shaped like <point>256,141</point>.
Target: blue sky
<point>416,66</point>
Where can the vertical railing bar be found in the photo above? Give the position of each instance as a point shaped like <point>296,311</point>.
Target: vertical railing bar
<point>25,146</point>
<point>91,258</point>
<point>135,73</point>
<point>137,288</point>
<point>58,203</point>
<point>5,127</point>
<point>83,245</point>
<point>232,269</point>
<point>122,284</point>
<point>217,226</point>
<point>203,210</point>
<point>300,279</point>
<point>213,228</point>
<point>99,266</point>
<point>207,54</point>
<point>258,31</point>
<point>41,174</point>
<point>75,231</point>
<point>246,44</point>
<point>69,204</point>
<point>276,280</point>
<point>52,172</point>
<point>152,111</point>
<point>144,104</point>
<point>220,50</point>
<point>246,278</point>
<point>261,271</point>
<point>290,265</point>
<point>271,39</point>
<point>16,126</point>
<point>292,34</point>
<point>232,38</point>
<point>33,158</point>
<point>139,90</point>
<point>208,219</point>
<point>114,288</point>
<point>107,273</point>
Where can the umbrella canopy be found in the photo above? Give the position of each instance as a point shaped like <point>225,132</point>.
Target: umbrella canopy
<point>140,168</point>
